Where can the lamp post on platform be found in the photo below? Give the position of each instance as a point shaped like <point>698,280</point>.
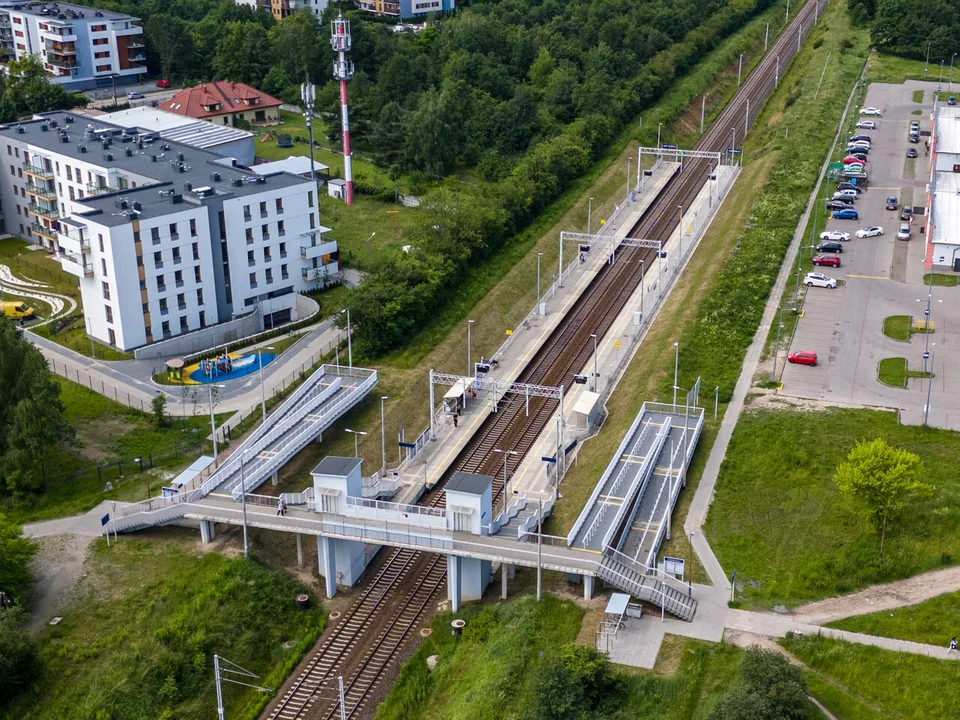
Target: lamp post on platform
<point>356,440</point>
<point>263,396</point>
<point>506,458</point>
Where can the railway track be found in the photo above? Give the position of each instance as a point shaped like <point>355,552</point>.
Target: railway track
<point>410,580</point>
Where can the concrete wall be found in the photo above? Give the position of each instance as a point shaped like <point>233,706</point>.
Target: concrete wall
<point>209,337</point>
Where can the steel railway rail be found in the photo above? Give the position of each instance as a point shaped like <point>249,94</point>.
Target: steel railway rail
<point>414,578</point>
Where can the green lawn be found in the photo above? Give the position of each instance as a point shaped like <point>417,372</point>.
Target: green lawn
<point>893,371</point>
<point>918,96</point>
<point>897,327</point>
<point>890,684</point>
<point>941,279</point>
<point>139,640</point>
<point>933,622</point>
<point>108,432</point>
<point>778,519</point>
<point>35,265</point>
<point>353,225</point>
<point>892,69</point>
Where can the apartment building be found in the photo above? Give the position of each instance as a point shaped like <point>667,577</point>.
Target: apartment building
<point>405,8</point>
<point>284,8</point>
<point>164,239</point>
<point>81,47</point>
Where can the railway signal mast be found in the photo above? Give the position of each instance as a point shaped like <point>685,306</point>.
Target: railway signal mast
<point>343,71</point>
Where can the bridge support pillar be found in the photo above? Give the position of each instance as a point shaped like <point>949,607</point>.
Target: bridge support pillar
<point>327,561</point>
<point>299,550</point>
<point>453,582</point>
<point>504,569</point>
<point>588,587</point>
<point>275,479</point>
<point>206,531</point>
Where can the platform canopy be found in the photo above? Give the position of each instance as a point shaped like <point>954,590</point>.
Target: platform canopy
<point>617,605</point>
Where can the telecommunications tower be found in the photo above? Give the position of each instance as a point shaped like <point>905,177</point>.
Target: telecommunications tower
<point>343,71</point>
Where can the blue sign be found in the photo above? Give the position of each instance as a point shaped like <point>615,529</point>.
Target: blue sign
<point>668,146</point>
<point>549,459</point>
<point>105,519</point>
<point>407,445</point>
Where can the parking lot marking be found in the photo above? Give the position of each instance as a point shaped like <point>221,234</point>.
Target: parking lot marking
<point>869,277</point>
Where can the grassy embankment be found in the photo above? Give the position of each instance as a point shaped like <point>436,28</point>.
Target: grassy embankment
<point>933,621</point>
<point>778,518</point>
<point>720,299</point>
<point>494,664</point>
<point>107,432</point>
<point>502,291</point>
<point>150,612</point>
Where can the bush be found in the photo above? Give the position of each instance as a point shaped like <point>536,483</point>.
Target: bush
<point>16,552</point>
<point>19,662</point>
<point>770,688</point>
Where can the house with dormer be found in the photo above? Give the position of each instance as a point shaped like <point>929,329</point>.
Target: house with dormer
<point>223,103</point>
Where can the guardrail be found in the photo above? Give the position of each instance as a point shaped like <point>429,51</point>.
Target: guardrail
<point>417,510</point>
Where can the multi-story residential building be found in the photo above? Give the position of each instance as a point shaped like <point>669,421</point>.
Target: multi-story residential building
<point>405,8</point>
<point>284,8</point>
<point>81,47</point>
<point>164,238</point>
<point>223,103</point>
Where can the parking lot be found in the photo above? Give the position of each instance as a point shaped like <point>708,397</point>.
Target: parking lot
<point>881,276</point>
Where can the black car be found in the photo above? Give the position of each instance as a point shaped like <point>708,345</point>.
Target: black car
<point>911,152</point>
<point>849,186</point>
<point>906,213</point>
<point>915,138</point>
<point>830,247</point>
<point>860,137</point>
<point>892,203</point>
<point>857,149</point>
<point>951,100</point>
<point>838,205</point>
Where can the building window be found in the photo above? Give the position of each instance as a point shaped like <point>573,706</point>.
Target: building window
<point>283,250</point>
<point>178,278</point>
<point>155,235</point>
<point>253,280</point>
<point>109,311</point>
<point>163,306</point>
<point>148,330</point>
<point>102,68</point>
<point>165,328</point>
<point>196,273</point>
<point>279,206</point>
<point>69,174</point>
<point>176,256</point>
<point>269,276</point>
<point>181,301</point>
<point>246,212</point>
<point>199,296</point>
<point>100,239</point>
<point>251,260</point>
<point>193,228</point>
<point>265,232</point>
<point>263,209</point>
<point>310,198</point>
<point>98,28</point>
<point>103,267</point>
<point>106,290</point>
<point>157,259</point>
<point>313,222</point>
<point>203,319</point>
<point>196,251</point>
<point>143,285</point>
<point>249,236</point>
<point>183,324</point>
<point>161,284</point>
<point>284,275</point>
<point>174,235</point>
<point>139,260</point>
<point>281,230</point>
<point>266,254</point>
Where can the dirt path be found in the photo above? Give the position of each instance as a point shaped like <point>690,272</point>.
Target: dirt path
<point>882,597</point>
<point>57,567</point>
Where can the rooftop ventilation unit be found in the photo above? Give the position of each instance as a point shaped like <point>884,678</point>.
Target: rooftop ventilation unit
<point>82,148</point>
<point>64,138</point>
<point>137,206</point>
<point>44,127</point>
<point>176,198</point>
<point>215,177</point>
<point>128,152</point>
<point>123,204</point>
<point>108,157</point>
<point>68,119</point>
<point>21,130</point>
<point>153,158</point>
<point>237,182</point>
<point>188,186</point>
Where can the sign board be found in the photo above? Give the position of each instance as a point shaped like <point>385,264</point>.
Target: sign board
<point>603,221</point>
<point>669,146</point>
<point>105,519</point>
<point>673,566</point>
<point>509,332</point>
<point>549,459</point>
<point>169,492</point>
<point>407,445</point>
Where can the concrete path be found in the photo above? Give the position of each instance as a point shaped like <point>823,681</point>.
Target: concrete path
<point>86,525</point>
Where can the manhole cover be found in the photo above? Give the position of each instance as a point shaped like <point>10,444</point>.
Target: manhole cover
<point>288,644</point>
<point>426,632</point>
<point>334,615</point>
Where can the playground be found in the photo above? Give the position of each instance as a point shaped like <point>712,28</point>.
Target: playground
<point>222,368</point>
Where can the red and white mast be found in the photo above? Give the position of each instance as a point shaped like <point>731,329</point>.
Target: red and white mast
<point>343,71</point>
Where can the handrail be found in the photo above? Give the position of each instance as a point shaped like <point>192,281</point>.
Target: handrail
<point>396,507</point>
<point>668,487</point>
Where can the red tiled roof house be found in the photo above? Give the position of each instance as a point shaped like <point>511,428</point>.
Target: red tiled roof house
<point>223,103</point>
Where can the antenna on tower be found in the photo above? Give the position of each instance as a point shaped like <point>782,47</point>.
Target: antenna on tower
<point>343,71</point>
<point>308,93</point>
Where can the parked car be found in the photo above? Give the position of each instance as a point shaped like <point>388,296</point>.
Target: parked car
<point>134,95</point>
<point>831,260</point>
<point>165,83</point>
<point>914,138</point>
<point>846,214</point>
<point>815,279</point>
<point>849,186</point>
<point>860,138</point>
<point>892,203</point>
<point>835,235</point>
<point>904,232</point>
<point>838,205</point>
<point>857,147</point>
<point>911,152</point>
<point>867,125</point>
<point>951,100</point>
<point>865,144</point>
<point>870,111</point>
<point>802,357</point>
<point>915,124</point>
<point>847,195</point>
<point>870,231</point>
<point>906,213</point>
<point>829,247</point>
<point>854,168</point>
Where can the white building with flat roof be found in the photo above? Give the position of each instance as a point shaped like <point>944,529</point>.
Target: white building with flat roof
<point>942,229</point>
<point>164,239</point>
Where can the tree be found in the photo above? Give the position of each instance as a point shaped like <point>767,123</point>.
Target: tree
<point>32,419</point>
<point>170,38</point>
<point>243,55</point>
<point>297,47</point>
<point>19,662</point>
<point>880,478</point>
<point>159,407</point>
<point>28,90</point>
<point>770,688</point>
<point>571,684</point>
<point>390,133</point>
<point>431,146</point>
<point>16,552</point>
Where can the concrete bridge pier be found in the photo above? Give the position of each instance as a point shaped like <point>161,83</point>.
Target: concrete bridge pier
<point>299,550</point>
<point>207,533</point>
<point>469,509</point>
<point>588,587</point>
<point>327,561</point>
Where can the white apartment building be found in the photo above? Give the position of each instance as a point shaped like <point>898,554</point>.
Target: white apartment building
<point>81,47</point>
<point>164,239</point>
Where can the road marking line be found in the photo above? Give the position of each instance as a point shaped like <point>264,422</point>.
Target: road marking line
<point>869,277</point>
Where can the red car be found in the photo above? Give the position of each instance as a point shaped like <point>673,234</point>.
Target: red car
<point>803,357</point>
<point>163,83</point>
<point>852,159</point>
<point>831,260</point>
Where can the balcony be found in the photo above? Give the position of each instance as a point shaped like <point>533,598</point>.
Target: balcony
<point>97,189</point>
<point>76,265</point>
<point>52,213</point>
<point>38,170</point>
<point>61,49</point>
<point>47,232</point>
<point>138,57</point>
<point>134,43</point>
<point>42,190</point>
<point>73,245</point>
<point>308,252</point>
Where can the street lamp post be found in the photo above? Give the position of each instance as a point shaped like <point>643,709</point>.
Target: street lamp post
<point>263,394</point>
<point>926,408</point>
<point>356,440</point>
<point>926,323</point>
<point>596,374</point>
<point>740,70</point>
<point>690,576</point>
<point>681,238</point>
<point>643,269</point>
<point>243,504</point>
<point>383,432</point>
<point>629,162</point>
<point>940,81</point>
<point>589,218</point>
<point>469,353</point>
<point>703,112</point>
<point>539,295</point>
<point>349,339</point>
<point>506,488</point>
<point>213,425</point>
<point>659,125</point>
<point>952,58</point>
<point>926,63</point>
<point>776,347</point>
<point>676,370</point>
<point>539,546</point>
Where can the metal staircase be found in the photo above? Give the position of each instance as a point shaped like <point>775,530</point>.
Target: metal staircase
<point>629,576</point>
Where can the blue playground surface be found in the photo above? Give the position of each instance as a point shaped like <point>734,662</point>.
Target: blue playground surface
<point>241,366</point>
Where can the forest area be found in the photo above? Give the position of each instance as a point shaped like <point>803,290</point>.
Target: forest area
<point>911,28</point>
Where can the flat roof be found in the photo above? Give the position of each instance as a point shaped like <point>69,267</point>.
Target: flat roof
<point>617,604</point>
<point>586,402</point>
<point>296,164</point>
<point>470,483</point>
<point>170,126</point>
<point>196,467</point>
<point>947,128</point>
<point>946,216</point>
<point>336,466</point>
<point>52,10</point>
<point>159,159</point>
